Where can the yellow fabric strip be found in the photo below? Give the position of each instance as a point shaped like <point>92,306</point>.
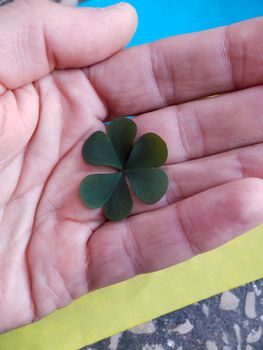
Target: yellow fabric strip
<point>124,305</point>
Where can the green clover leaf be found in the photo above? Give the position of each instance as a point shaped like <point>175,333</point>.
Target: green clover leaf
<point>138,163</point>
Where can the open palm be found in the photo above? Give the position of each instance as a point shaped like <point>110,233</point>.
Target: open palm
<point>52,248</point>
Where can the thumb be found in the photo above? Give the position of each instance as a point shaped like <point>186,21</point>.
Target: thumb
<point>39,36</point>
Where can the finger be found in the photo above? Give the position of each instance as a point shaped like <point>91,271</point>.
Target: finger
<point>158,239</point>
<point>181,68</point>
<point>189,178</point>
<point>204,127</point>
<point>37,39</point>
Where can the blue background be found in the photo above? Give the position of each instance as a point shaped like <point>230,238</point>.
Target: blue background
<point>162,18</point>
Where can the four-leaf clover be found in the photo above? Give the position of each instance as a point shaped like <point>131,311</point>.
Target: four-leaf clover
<point>137,162</point>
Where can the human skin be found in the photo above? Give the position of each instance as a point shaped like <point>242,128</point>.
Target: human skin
<point>58,86</point>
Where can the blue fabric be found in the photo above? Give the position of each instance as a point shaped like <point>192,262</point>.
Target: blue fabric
<point>162,18</point>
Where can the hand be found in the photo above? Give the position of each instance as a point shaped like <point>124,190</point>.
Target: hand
<point>53,249</point>
<point>46,112</point>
